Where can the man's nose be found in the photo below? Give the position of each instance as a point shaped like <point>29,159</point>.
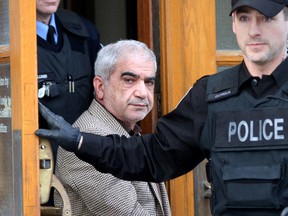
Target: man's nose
<point>254,28</point>
<point>141,90</point>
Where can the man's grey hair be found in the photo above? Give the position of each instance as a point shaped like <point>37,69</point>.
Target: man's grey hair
<point>109,56</point>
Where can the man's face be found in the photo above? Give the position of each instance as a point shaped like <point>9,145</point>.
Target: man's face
<point>46,7</point>
<point>129,93</point>
<point>261,39</point>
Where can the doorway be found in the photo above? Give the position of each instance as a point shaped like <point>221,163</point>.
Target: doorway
<point>114,21</point>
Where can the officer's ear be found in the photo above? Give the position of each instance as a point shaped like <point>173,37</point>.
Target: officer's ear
<point>98,84</point>
<point>233,21</point>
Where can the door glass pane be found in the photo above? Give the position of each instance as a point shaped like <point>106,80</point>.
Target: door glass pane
<point>6,186</point>
<point>4,23</point>
<point>10,142</point>
<point>225,36</point>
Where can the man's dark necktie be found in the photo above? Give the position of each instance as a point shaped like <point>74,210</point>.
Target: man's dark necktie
<point>50,35</point>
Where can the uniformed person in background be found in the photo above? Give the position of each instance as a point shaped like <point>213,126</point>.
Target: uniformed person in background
<point>237,119</point>
<point>67,45</point>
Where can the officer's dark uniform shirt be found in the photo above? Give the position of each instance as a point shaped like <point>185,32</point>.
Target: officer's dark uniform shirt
<point>175,149</point>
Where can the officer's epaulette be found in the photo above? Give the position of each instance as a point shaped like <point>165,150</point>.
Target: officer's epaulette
<point>223,84</point>
<point>72,22</point>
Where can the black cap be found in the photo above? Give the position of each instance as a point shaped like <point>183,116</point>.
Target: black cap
<point>269,8</point>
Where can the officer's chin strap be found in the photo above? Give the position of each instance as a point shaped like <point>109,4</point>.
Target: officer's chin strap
<point>284,212</point>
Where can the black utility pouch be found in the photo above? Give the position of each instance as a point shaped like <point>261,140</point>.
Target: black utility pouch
<point>252,186</point>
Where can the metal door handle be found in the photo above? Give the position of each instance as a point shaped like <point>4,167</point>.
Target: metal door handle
<point>207,190</point>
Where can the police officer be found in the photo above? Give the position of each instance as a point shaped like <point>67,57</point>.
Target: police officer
<point>237,119</point>
<point>67,45</point>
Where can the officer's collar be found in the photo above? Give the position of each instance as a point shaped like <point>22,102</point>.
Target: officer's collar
<point>280,74</point>
<point>244,74</point>
<point>72,22</point>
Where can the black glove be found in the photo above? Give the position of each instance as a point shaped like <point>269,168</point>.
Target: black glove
<point>61,133</point>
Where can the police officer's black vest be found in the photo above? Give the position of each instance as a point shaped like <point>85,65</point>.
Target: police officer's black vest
<point>248,139</point>
<point>65,70</point>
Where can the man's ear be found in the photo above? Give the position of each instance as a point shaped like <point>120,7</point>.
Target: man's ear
<point>99,86</point>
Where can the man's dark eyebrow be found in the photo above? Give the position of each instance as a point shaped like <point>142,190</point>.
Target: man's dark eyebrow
<point>128,73</point>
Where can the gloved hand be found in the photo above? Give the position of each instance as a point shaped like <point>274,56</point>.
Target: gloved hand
<point>61,133</point>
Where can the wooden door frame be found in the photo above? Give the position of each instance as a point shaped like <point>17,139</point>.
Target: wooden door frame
<point>23,68</point>
<point>187,53</point>
<point>146,34</point>
<point>180,66</point>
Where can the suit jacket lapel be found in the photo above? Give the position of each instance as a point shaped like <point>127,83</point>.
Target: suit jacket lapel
<point>155,187</point>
